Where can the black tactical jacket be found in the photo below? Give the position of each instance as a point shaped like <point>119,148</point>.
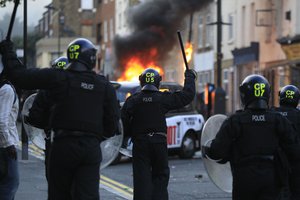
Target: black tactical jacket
<point>84,101</point>
<point>144,112</point>
<point>254,133</point>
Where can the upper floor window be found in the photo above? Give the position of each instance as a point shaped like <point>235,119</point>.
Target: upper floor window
<point>209,31</point>
<point>230,28</point>
<point>200,32</point>
<point>87,4</point>
<point>105,31</point>
<point>226,80</point>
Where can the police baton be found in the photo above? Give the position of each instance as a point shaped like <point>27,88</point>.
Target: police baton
<point>182,50</point>
<point>12,19</point>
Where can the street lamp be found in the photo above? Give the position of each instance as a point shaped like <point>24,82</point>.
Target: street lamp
<point>60,20</point>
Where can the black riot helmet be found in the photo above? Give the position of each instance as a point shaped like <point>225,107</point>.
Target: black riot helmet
<point>289,95</point>
<point>150,79</point>
<point>255,92</point>
<point>60,63</point>
<point>83,51</point>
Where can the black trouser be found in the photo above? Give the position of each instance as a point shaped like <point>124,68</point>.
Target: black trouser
<point>47,151</point>
<point>295,181</point>
<point>74,168</point>
<point>255,181</point>
<point>150,168</point>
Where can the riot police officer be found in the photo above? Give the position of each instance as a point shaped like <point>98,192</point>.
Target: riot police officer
<point>85,110</point>
<point>143,116</point>
<point>288,99</point>
<point>39,113</point>
<point>251,140</point>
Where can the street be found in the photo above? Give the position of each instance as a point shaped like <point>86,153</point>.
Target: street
<point>188,180</point>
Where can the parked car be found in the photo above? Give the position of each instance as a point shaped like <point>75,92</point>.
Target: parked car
<point>184,125</point>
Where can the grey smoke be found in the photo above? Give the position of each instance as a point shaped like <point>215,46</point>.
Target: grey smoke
<point>155,24</point>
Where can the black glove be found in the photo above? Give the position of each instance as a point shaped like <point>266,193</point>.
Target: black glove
<point>11,152</point>
<point>190,73</point>
<point>6,47</point>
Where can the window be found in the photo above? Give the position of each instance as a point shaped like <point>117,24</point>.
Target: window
<point>208,31</point>
<point>281,77</point>
<point>105,29</point>
<point>230,28</point>
<point>99,36</point>
<point>119,21</point>
<point>204,78</point>
<point>252,22</point>
<point>87,4</point>
<point>243,30</point>
<point>111,29</point>
<point>124,18</point>
<point>200,32</point>
<point>226,80</point>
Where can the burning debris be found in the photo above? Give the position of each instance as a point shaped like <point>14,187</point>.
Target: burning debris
<point>154,24</point>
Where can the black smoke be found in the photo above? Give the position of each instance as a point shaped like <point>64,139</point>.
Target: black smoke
<point>154,24</point>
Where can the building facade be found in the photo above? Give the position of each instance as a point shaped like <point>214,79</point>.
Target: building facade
<point>261,37</point>
<point>105,23</point>
<point>63,21</point>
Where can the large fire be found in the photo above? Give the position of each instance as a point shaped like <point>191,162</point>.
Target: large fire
<point>134,65</point>
<point>189,51</point>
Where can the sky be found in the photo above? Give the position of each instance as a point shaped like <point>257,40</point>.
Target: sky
<point>35,10</point>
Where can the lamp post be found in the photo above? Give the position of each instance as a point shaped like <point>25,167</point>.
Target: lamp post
<point>60,20</point>
<point>220,94</point>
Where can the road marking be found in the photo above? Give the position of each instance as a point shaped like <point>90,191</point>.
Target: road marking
<point>104,182</point>
<point>115,190</point>
<point>120,185</point>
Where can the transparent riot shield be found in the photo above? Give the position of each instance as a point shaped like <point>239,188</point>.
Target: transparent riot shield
<point>220,174</point>
<point>35,135</point>
<point>110,147</point>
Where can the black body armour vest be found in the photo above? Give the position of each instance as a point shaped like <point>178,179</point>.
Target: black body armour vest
<point>147,108</point>
<point>256,134</point>
<point>292,114</point>
<point>80,108</point>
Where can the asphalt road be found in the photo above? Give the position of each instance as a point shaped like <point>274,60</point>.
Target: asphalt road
<point>188,180</point>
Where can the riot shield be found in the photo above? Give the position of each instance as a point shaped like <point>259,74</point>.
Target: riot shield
<point>127,150</point>
<point>220,174</point>
<point>111,146</point>
<point>36,135</point>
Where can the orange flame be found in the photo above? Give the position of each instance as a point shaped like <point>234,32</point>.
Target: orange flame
<point>189,51</point>
<point>134,67</point>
